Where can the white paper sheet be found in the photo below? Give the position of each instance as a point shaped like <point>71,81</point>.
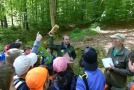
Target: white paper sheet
<point>107,62</point>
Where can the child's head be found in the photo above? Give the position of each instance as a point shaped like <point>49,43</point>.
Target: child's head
<point>23,63</point>
<point>36,78</point>
<point>49,49</point>
<point>131,61</point>
<point>89,59</point>
<point>6,48</point>
<point>27,50</point>
<point>12,54</point>
<point>6,74</point>
<point>60,64</point>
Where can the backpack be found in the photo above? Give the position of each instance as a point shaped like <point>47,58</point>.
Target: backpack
<point>84,76</point>
<point>64,81</point>
<point>55,86</point>
<point>74,80</point>
<point>131,85</point>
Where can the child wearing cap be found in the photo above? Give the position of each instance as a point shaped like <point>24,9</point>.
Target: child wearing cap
<point>94,77</point>
<point>63,76</point>
<point>22,64</point>
<point>37,78</point>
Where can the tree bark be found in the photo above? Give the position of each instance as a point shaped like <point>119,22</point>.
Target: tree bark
<point>1,23</point>
<point>5,22</point>
<point>11,13</point>
<point>36,13</point>
<point>25,22</point>
<point>52,12</point>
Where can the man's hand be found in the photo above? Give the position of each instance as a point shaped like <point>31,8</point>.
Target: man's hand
<point>50,34</point>
<point>71,59</point>
<point>111,68</point>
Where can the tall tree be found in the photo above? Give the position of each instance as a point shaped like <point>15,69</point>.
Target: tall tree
<point>52,12</point>
<point>25,21</point>
<point>5,21</point>
<point>11,6</point>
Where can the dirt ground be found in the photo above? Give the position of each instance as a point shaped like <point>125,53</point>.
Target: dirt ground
<point>103,40</point>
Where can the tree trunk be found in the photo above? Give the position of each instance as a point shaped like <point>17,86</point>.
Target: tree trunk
<point>25,22</point>
<point>1,23</point>
<point>12,20</point>
<point>48,10</point>
<point>52,12</point>
<point>11,13</point>
<point>83,5</point>
<point>42,11</point>
<point>36,13</point>
<point>5,22</point>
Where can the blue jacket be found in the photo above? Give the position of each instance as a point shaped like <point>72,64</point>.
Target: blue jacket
<point>96,81</point>
<point>35,47</point>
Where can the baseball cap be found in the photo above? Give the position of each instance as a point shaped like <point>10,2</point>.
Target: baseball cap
<point>60,64</point>
<point>90,59</point>
<point>23,63</point>
<point>118,36</point>
<point>6,47</point>
<point>36,77</point>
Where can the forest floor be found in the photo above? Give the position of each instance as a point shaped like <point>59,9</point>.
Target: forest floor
<point>102,40</point>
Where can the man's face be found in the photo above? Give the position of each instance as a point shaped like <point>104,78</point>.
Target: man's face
<point>115,42</point>
<point>66,40</point>
<point>131,66</point>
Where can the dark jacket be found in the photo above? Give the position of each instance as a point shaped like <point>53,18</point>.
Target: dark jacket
<point>62,49</point>
<point>62,80</point>
<point>20,84</point>
<point>118,76</point>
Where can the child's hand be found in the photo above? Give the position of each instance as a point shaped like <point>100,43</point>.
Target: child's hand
<point>38,37</point>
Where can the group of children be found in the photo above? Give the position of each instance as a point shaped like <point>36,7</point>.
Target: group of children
<point>30,69</point>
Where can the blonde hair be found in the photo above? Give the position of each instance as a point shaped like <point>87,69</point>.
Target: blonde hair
<point>6,74</point>
<point>12,54</point>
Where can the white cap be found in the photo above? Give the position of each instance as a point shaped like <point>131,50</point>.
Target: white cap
<point>118,36</point>
<point>23,63</point>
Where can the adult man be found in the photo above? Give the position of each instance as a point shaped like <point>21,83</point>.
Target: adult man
<point>65,47</point>
<point>116,76</point>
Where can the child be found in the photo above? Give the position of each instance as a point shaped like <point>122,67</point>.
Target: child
<point>131,67</point>
<point>94,78</point>
<point>37,79</point>
<point>22,64</point>
<point>63,76</point>
<point>27,50</point>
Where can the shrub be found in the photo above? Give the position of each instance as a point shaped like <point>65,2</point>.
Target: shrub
<point>8,35</point>
<point>79,34</point>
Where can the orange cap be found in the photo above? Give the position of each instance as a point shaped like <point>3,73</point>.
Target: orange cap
<point>36,77</point>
